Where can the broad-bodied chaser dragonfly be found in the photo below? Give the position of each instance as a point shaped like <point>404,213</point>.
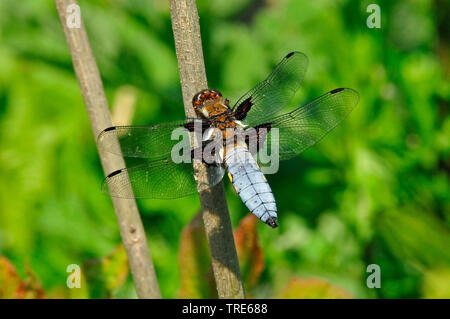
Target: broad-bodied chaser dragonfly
<point>256,110</point>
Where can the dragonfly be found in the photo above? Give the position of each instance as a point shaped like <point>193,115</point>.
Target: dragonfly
<point>259,110</point>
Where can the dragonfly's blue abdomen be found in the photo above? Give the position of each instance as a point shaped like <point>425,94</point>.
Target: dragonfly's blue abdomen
<point>251,185</point>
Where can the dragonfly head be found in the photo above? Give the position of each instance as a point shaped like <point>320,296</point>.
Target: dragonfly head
<point>204,99</point>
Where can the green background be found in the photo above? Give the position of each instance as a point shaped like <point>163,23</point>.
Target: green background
<point>375,191</point>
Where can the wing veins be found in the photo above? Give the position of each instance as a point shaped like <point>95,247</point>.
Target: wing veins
<point>308,124</point>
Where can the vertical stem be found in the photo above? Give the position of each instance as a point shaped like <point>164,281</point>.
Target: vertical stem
<point>130,224</point>
<point>188,44</point>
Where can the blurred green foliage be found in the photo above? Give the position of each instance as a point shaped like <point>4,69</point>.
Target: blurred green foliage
<point>375,190</point>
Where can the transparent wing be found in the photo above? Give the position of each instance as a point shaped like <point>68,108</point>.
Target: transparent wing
<point>309,123</point>
<point>272,94</point>
<point>152,141</point>
<point>161,179</point>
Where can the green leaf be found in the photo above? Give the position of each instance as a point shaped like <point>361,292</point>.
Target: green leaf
<point>298,288</point>
<point>402,231</point>
<point>436,283</point>
<point>106,274</point>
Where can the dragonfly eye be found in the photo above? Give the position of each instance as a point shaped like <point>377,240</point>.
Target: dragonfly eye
<point>214,94</point>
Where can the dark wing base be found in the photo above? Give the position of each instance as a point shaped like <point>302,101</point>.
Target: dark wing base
<point>271,95</point>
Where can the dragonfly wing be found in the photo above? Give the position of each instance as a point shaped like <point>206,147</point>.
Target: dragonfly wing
<point>272,94</point>
<point>153,142</point>
<point>309,123</point>
<point>161,179</point>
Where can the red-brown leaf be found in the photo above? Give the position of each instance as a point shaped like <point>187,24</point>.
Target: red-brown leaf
<point>251,257</point>
<point>197,280</point>
<point>13,287</point>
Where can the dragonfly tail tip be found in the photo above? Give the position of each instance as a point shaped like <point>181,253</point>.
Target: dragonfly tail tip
<point>272,222</point>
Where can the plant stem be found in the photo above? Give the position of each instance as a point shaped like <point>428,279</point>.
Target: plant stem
<point>130,224</point>
<point>216,219</point>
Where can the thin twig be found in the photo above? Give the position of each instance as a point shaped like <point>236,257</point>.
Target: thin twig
<point>130,224</point>
<point>188,44</point>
